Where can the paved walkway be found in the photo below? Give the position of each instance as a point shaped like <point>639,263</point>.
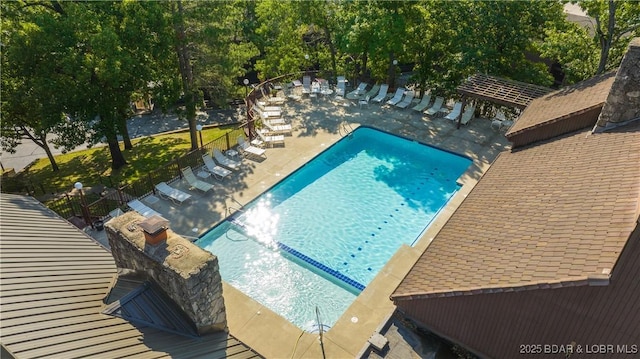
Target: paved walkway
<point>319,123</point>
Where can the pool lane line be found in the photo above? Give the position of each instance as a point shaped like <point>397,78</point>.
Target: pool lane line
<point>306,259</point>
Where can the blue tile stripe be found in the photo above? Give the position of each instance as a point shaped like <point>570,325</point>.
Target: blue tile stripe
<point>306,259</point>
<point>321,266</point>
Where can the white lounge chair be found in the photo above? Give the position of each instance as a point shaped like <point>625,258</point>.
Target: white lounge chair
<point>270,139</point>
<point>210,166</point>
<point>266,114</point>
<point>341,86</point>
<point>373,92</point>
<point>397,97</point>
<point>359,91</point>
<point>435,108</point>
<point>467,115</point>
<point>424,103</point>
<point>275,100</point>
<point>142,208</point>
<point>500,121</point>
<point>364,101</point>
<point>455,112</point>
<point>306,85</point>
<point>382,94</point>
<point>406,101</point>
<point>267,108</point>
<point>282,129</point>
<point>175,195</point>
<point>225,161</point>
<point>274,121</point>
<point>194,182</point>
<point>247,148</point>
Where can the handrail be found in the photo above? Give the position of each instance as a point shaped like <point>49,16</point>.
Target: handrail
<point>346,127</point>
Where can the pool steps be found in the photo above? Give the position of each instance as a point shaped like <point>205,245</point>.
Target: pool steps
<point>353,284</point>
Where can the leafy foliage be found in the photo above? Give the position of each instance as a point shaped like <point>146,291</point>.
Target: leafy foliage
<point>599,47</point>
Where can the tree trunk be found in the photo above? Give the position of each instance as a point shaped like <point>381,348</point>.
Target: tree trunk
<point>117,158</point>
<point>186,72</point>
<point>108,128</point>
<point>40,139</point>
<point>606,39</point>
<point>47,150</point>
<point>54,164</point>
<point>332,49</point>
<point>123,129</point>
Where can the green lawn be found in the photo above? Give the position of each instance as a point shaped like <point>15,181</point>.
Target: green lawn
<point>93,166</point>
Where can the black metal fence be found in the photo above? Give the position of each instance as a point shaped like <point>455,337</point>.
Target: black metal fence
<point>85,210</point>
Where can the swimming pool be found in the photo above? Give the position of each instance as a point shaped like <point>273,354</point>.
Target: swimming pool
<point>319,236</point>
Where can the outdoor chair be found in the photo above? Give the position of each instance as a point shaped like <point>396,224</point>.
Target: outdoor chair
<point>382,94</point>
<point>278,129</point>
<point>364,101</point>
<point>142,208</point>
<point>455,112</point>
<point>248,149</point>
<point>306,85</point>
<point>467,115</point>
<point>408,97</point>
<point>397,97</point>
<point>424,103</point>
<point>341,87</point>
<point>373,92</point>
<point>210,166</point>
<point>195,182</point>
<point>271,140</point>
<point>359,91</point>
<point>436,107</point>
<point>225,161</point>
<point>169,193</point>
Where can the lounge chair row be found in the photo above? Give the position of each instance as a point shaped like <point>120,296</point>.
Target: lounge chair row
<point>220,168</point>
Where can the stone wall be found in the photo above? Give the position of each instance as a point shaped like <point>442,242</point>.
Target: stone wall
<point>623,102</point>
<point>188,274</point>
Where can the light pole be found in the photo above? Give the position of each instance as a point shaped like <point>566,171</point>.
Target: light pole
<point>199,129</point>
<point>246,87</point>
<point>83,204</point>
<point>395,63</point>
<point>306,63</point>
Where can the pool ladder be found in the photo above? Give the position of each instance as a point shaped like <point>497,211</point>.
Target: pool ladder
<point>345,129</point>
<point>231,210</point>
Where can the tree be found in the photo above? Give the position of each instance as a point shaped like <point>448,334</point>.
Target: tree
<point>588,51</point>
<point>35,87</point>
<point>80,63</point>
<point>210,52</point>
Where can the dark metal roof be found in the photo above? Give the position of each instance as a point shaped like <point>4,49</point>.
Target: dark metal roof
<point>146,304</point>
<point>501,91</point>
<point>54,280</point>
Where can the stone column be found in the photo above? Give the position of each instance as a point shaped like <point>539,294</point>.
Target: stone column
<point>188,274</point>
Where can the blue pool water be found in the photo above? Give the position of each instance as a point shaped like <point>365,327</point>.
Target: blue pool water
<point>318,237</point>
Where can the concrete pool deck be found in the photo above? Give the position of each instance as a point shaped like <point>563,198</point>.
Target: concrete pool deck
<point>319,123</point>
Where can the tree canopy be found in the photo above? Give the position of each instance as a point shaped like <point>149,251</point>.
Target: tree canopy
<point>71,69</point>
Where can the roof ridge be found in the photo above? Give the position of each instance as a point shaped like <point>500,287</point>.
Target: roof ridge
<point>594,279</point>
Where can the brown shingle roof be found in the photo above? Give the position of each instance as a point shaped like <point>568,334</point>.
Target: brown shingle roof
<point>551,214</point>
<point>565,102</point>
<point>53,282</point>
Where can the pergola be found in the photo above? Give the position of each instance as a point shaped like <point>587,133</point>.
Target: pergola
<point>500,91</point>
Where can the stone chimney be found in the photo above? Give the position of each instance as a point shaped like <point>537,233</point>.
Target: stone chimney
<point>623,102</point>
<point>188,274</point>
